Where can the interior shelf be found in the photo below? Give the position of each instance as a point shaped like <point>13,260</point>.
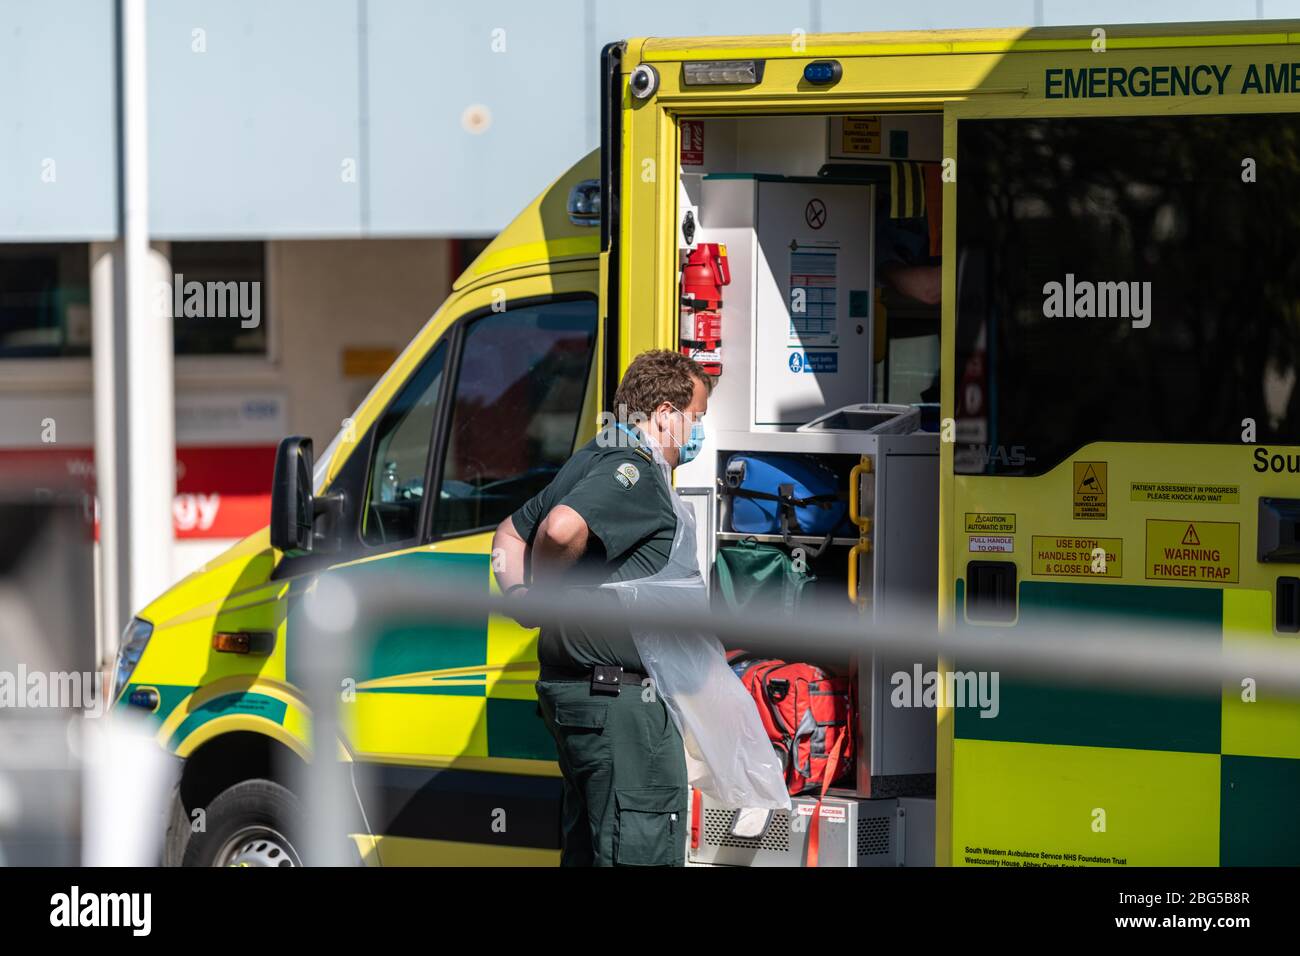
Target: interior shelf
<point>848,792</point>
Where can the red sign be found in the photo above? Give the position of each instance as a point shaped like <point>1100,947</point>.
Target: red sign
<point>221,492</point>
<point>692,142</point>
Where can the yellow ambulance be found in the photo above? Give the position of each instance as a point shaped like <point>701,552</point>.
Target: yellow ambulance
<point>1031,295</point>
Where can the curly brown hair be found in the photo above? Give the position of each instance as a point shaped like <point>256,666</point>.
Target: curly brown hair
<point>655,377</point>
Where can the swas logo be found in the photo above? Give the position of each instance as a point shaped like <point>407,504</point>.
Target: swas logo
<point>1007,455</point>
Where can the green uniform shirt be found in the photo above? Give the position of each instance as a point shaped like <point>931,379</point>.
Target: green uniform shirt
<point>619,493</point>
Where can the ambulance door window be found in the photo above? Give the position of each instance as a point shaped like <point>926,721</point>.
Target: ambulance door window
<point>1124,279</point>
<point>395,487</point>
<point>519,393</point>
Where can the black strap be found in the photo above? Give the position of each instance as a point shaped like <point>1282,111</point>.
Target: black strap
<point>821,501</point>
<point>785,535</point>
<point>549,672</point>
<point>786,504</point>
<point>734,478</point>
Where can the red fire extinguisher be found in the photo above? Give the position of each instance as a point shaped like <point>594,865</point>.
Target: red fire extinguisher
<point>704,273</point>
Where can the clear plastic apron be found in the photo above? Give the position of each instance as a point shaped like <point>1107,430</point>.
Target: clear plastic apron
<point>728,754</point>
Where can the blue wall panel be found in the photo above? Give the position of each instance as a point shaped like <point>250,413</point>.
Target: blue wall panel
<point>58,145</point>
<point>250,137</point>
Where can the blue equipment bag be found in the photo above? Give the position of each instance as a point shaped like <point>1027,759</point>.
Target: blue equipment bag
<point>785,495</point>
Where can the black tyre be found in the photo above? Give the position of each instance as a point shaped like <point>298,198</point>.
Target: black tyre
<point>253,823</point>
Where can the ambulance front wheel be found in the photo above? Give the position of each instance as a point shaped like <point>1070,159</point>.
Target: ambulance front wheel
<point>253,823</point>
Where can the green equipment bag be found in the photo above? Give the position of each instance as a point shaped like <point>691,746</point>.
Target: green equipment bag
<point>759,577</point>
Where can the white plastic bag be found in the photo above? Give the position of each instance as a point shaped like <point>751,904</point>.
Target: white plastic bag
<point>729,755</point>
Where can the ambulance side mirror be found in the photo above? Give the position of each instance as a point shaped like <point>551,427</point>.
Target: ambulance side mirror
<point>293,507</point>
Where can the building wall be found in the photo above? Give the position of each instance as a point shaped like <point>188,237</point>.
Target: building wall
<point>396,118</point>
<point>322,299</point>
<point>325,299</point>
<point>329,296</point>
<point>58,162</point>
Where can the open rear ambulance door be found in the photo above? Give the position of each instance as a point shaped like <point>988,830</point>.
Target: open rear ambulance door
<point>741,165</point>
<point>1120,358</point>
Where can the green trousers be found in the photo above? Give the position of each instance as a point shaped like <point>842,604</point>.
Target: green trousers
<point>624,770</point>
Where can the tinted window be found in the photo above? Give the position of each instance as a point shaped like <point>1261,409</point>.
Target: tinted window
<point>1133,200</point>
<point>44,299</point>
<point>221,305</point>
<point>395,487</point>
<point>519,396</point>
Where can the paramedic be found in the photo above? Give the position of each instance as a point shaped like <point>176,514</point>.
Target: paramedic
<point>608,516</point>
<point>903,259</point>
<point>908,242</point>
